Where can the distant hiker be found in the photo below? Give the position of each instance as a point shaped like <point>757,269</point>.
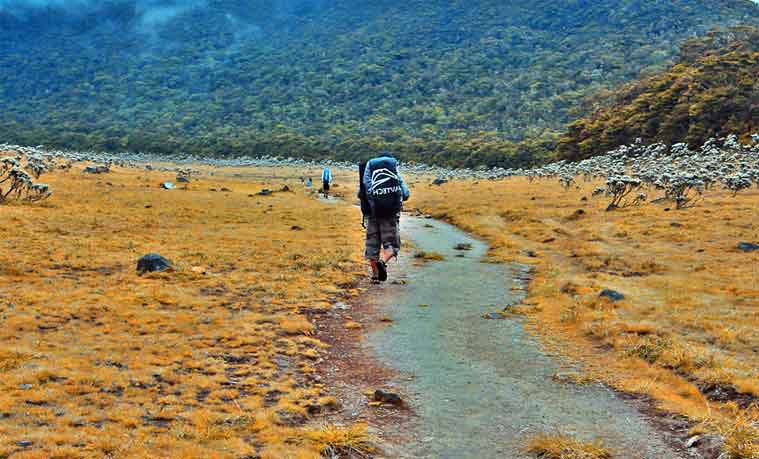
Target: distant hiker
<point>382,192</point>
<point>326,180</point>
<point>310,184</point>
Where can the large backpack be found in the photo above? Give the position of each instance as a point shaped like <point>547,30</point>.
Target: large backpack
<point>366,208</point>
<point>385,193</point>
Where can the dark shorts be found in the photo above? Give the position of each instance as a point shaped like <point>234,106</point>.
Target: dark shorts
<point>382,233</point>
<point>325,186</point>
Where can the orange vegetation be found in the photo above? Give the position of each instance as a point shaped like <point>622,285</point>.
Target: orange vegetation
<point>690,320</point>
<point>212,360</point>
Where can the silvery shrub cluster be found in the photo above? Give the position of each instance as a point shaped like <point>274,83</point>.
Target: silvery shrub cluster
<point>673,173</point>
<point>18,175</point>
<point>677,173</point>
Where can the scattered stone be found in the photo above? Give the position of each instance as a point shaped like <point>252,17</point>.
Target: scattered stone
<point>25,386</point>
<point>341,306</point>
<point>531,253</point>
<point>398,282</point>
<point>576,215</point>
<point>286,189</point>
<point>24,443</point>
<point>708,445</point>
<point>183,179</point>
<point>226,190</point>
<point>198,270</point>
<point>265,192</point>
<point>153,262</point>
<point>387,398</point>
<point>148,167</point>
<point>676,225</point>
<point>464,246</point>
<point>493,316</point>
<point>748,247</point>
<point>612,295</point>
<point>439,181</point>
<point>96,170</point>
<point>296,228</point>
<point>549,240</point>
<point>168,186</point>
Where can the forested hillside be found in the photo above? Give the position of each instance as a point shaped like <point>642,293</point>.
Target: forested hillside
<point>712,91</point>
<point>451,82</point>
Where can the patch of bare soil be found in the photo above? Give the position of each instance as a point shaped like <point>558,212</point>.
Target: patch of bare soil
<point>353,374</point>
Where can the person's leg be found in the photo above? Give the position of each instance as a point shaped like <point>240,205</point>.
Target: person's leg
<point>373,246</point>
<point>391,243</point>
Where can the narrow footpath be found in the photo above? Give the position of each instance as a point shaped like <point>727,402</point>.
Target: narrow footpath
<point>479,387</point>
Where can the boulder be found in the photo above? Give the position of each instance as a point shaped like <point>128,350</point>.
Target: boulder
<point>168,186</point>
<point>96,170</point>
<point>707,445</point>
<point>264,192</point>
<point>183,179</point>
<point>612,295</point>
<point>748,247</point>
<point>153,262</point>
<point>387,398</point>
<point>439,181</point>
<point>493,316</point>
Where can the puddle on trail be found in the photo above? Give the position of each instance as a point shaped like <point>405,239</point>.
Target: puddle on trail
<point>481,387</point>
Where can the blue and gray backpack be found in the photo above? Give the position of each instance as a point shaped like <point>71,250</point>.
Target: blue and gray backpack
<point>385,193</point>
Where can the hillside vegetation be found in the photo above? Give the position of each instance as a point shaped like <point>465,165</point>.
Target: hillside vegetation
<point>455,83</point>
<point>713,91</point>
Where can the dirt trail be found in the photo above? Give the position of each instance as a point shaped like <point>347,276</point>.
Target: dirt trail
<point>481,387</point>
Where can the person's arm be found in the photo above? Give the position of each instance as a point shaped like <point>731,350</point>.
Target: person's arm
<point>404,188</point>
<point>368,180</point>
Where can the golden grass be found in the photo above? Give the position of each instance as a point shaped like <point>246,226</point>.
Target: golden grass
<point>691,313</point>
<point>425,256</point>
<point>560,446</point>
<point>337,441</point>
<point>212,360</point>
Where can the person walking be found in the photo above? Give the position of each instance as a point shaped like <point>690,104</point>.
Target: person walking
<point>326,181</point>
<point>382,192</point>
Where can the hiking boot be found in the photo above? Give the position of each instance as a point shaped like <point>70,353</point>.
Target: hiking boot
<point>382,271</point>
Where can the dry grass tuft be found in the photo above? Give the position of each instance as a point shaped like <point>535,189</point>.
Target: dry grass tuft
<point>337,441</point>
<point>421,255</point>
<point>741,436</point>
<point>560,446</point>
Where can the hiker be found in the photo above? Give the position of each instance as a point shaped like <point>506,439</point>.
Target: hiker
<point>382,192</point>
<point>309,184</point>
<point>326,180</point>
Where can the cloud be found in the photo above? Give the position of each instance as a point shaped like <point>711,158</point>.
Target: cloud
<point>150,13</point>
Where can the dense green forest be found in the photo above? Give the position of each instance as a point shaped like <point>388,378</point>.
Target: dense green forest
<point>712,91</point>
<point>449,82</point>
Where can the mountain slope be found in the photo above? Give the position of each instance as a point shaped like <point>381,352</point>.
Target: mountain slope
<point>453,82</point>
<point>712,91</point>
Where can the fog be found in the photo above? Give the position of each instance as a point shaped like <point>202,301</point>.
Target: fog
<point>154,13</point>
